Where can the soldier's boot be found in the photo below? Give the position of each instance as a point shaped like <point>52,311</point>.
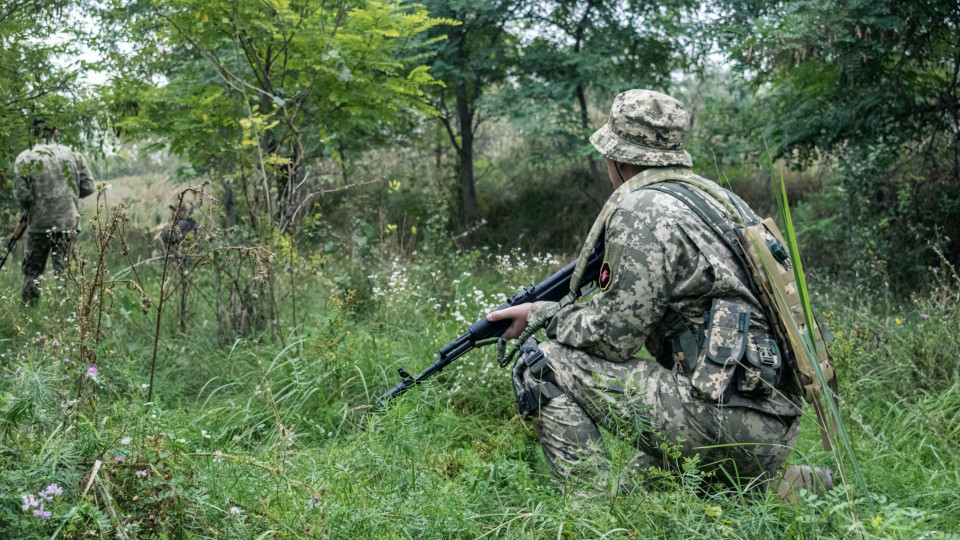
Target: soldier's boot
<point>818,480</point>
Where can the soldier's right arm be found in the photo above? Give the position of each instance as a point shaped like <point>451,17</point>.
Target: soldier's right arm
<point>22,184</point>
<point>616,321</point>
<point>86,177</point>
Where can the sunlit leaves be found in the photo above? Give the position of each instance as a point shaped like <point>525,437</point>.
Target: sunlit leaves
<point>286,76</point>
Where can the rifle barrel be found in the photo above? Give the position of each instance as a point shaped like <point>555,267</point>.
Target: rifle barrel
<point>551,289</point>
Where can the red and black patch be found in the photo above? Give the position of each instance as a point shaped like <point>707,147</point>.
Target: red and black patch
<point>606,276</point>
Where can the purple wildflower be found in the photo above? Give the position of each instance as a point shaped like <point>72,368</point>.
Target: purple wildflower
<point>40,513</point>
<point>54,490</point>
<point>66,376</point>
<point>29,502</point>
<point>65,360</point>
<point>118,459</point>
<point>141,474</point>
<point>56,344</point>
<point>92,370</point>
<point>924,316</point>
<point>935,268</point>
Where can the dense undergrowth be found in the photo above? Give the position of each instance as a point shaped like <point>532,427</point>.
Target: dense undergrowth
<point>276,433</point>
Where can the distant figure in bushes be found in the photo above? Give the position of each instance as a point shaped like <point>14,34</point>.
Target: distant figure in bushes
<point>182,225</point>
<point>49,179</point>
<point>671,284</point>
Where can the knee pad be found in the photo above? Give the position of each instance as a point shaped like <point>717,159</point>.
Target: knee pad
<point>534,383</point>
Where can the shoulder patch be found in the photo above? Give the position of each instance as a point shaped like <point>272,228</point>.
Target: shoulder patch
<point>606,277</point>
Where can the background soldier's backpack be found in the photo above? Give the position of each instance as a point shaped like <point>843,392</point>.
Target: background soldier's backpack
<point>761,249</point>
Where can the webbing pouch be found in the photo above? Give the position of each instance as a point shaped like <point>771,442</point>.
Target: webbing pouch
<point>761,371</point>
<point>727,332</point>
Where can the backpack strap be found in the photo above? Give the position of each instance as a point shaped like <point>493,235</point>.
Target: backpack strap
<point>694,200</point>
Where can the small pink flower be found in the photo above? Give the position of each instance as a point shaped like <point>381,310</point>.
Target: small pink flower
<point>141,474</point>
<point>65,360</point>
<point>92,370</point>
<point>56,344</point>
<point>924,316</point>
<point>935,268</point>
<point>66,376</point>
<point>118,459</point>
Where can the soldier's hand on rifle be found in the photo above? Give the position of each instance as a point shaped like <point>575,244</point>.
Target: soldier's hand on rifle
<point>519,315</point>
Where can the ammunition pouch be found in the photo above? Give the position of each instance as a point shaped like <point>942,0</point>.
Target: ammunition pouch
<point>534,383</point>
<point>733,352</point>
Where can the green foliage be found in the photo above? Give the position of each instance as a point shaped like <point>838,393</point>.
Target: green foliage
<point>267,363</point>
<point>571,47</point>
<point>254,93</point>
<point>477,52</point>
<point>273,437</point>
<point>35,81</point>
<point>873,85</point>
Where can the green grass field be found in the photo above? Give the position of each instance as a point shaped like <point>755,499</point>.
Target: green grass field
<point>276,434</point>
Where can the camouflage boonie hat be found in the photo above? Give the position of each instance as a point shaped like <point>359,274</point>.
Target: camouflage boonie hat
<point>645,128</point>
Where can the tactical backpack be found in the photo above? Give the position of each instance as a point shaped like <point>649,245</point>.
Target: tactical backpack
<point>760,249</point>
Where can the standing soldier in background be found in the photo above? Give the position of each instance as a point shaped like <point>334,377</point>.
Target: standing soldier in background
<point>49,179</point>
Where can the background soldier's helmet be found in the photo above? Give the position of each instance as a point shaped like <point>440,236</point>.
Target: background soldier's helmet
<point>645,128</point>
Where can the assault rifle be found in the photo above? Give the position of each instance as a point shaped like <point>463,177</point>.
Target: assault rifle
<point>17,233</point>
<point>484,332</point>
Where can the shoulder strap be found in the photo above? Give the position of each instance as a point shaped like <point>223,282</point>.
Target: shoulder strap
<point>646,178</point>
<point>696,201</point>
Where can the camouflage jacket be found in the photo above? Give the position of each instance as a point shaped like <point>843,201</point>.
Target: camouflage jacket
<point>48,181</point>
<point>660,256</point>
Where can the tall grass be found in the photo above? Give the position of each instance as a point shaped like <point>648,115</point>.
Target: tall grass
<point>258,437</point>
<point>833,421</point>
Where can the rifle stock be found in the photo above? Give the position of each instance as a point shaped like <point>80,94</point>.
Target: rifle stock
<point>17,233</point>
<point>551,289</point>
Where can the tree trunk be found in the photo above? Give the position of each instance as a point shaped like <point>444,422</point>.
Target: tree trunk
<point>465,113</point>
<point>470,211</point>
<point>229,205</point>
<point>600,181</point>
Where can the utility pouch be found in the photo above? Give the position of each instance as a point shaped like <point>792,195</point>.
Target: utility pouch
<point>727,336</point>
<point>761,372</point>
<point>534,383</point>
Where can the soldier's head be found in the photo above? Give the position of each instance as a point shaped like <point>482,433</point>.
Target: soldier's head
<point>645,129</point>
<point>178,213</point>
<point>41,129</point>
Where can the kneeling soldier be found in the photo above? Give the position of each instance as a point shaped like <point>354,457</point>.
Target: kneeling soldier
<point>671,284</point>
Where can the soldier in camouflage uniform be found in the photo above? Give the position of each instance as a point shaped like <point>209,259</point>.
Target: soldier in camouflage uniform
<point>49,179</point>
<point>667,280</point>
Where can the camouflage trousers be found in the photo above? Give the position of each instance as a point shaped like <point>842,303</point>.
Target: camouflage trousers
<point>57,245</point>
<point>651,407</point>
